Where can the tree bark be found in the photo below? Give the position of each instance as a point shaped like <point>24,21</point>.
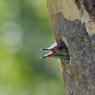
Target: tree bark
<point>73,21</point>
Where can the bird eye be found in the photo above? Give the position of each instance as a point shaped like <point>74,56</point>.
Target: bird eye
<point>60,48</point>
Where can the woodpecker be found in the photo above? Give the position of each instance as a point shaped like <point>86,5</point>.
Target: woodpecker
<point>58,50</point>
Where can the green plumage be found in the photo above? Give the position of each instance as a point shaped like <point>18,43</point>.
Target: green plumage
<point>58,50</point>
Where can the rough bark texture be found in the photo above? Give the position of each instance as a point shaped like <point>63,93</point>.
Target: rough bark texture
<point>74,21</point>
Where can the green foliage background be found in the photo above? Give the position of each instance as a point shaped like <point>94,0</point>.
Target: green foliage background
<point>25,27</point>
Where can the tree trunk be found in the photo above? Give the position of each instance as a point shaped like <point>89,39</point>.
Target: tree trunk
<point>73,21</point>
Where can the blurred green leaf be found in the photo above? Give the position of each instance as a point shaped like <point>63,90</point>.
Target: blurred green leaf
<point>25,28</point>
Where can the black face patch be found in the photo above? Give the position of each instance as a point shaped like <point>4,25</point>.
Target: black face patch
<point>60,48</point>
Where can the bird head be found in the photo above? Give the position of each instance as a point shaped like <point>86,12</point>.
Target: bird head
<point>58,50</point>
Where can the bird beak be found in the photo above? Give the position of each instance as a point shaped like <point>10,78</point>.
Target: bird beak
<point>49,54</point>
<point>45,49</point>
